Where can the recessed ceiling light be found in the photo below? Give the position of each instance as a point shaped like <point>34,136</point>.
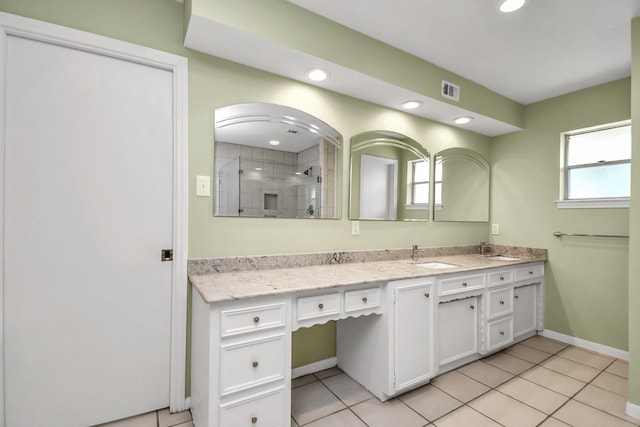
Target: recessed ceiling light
<point>462,120</point>
<point>508,6</point>
<point>411,105</point>
<point>274,142</point>
<point>317,74</point>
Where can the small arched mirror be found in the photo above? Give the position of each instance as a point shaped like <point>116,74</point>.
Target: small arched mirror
<point>461,186</point>
<point>389,178</point>
<point>275,161</point>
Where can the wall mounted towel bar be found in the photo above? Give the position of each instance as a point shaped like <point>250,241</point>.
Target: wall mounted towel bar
<point>614,236</point>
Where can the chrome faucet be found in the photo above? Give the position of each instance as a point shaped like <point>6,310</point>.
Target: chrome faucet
<point>414,252</point>
<point>483,247</point>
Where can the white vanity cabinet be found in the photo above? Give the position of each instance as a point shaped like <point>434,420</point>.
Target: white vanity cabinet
<point>241,352</point>
<point>457,329</point>
<point>528,300</point>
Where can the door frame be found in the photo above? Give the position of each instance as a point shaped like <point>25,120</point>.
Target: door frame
<point>12,25</point>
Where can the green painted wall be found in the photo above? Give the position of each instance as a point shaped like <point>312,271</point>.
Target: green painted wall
<point>634,225</point>
<point>290,25</point>
<point>586,279</point>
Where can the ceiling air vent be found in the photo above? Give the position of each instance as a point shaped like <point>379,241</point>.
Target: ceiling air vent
<point>451,91</point>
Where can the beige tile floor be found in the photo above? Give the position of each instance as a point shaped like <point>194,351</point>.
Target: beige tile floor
<point>538,382</point>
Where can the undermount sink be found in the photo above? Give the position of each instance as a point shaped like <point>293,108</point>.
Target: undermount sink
<point>436,265</point>
<point>503,258</point>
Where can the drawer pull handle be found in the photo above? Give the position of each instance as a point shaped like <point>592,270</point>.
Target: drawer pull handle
<point>501,277</point>
<point>502,302</point>
<point>464,283</point>
<point>501,333</point>
<point>364,300</point>
<point>256,319</point>
<point>255,364</point>
<point>254,420</point>
<point>472,307</point>
<point>531,272</point>
<point>426,295</point>
<point>320,306</point>
<point>516,296</point>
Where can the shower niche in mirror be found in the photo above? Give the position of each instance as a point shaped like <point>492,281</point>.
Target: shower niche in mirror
<point>461,190</point>
<point>275,161</point>
<point>389,178</point>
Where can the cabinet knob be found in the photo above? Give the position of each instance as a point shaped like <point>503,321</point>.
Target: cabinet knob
<point>531,272</point>
<point>515,296</point>
<point>255,364</point>
<point>502,302</point>
<point>256,319</point>
<point>364,300</point>
<point>426,295</point>
<point>464,283</point>
<point>320,306</point>
<point>254,420</point>
<point>501,277</point>
<point>472,307</point>
<point>501,333</point>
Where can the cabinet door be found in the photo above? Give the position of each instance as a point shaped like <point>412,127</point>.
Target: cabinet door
<point>413,343</point>
<point>524,309</point>
<point>458,329</point>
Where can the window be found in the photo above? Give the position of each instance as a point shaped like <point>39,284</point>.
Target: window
<point>597,167</point>
<point>418,194</point>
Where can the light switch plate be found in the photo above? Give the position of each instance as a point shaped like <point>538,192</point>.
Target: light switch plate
<point>355,228</point>
<point>203,186</point>
<point>495,229</point>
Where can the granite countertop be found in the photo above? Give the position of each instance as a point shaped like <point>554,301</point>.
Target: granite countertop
<point>229,286</point>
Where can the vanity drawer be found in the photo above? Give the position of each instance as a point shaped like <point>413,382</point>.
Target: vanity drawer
<point>461,284</point>
<point>529,272</point>
<point>499,302</point>
<point>261,410</point>
<point>365,299</point>
<point>500,277</point>
<point>500,333</point>
<point>247,364</point>
<point>318,306</point>
<point>249,319</point>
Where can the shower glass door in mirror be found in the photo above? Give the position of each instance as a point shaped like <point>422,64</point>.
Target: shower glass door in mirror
<point>275,161</point>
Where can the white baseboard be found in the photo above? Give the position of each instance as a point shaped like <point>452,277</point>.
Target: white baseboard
<point>187,402</point>
<point>311,368</point>
<point>633,410</point>
<point>588,345</point>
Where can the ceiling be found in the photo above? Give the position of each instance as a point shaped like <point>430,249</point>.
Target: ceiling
<point>547,48</point>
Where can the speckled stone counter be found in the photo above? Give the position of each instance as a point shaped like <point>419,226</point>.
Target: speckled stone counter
<point>229,279</point>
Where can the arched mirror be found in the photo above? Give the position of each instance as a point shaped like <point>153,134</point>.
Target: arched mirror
<point>389,178</point>
<point>461,186</point>
<point>275,161</point>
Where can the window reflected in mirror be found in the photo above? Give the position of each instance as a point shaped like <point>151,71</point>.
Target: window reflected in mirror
<point>389,178</point>
<point>275,161</point>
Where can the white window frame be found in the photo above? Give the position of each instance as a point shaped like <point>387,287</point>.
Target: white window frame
<point>594,203</point>
<point>410,205</point>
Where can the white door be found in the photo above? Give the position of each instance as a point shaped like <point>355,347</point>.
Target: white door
<point>413,344</point>
<point>378,187</point>
<point>458,328</point>
<point>524,309</point>
<point>88,206</point>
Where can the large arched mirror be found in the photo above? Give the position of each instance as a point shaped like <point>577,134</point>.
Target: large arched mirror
<point>461,186</point>
<point>275,161</point>
<point>389,178</point>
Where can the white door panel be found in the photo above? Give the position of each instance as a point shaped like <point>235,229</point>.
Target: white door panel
<point>88,207</point>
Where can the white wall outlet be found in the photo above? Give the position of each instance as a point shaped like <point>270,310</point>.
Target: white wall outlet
<point>203,186</point>
<point>355,228</point>
<point>495,229</point>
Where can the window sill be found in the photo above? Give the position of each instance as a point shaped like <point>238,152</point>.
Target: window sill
<point>417,207</point>
<point>613,203</point>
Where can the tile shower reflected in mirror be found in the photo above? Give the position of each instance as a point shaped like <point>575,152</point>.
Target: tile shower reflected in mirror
<point>275,161</point>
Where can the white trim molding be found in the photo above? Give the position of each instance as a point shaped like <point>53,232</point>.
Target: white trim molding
<point>12,25</point>
<point>615,203</point>
<point>633,410</point>
<point>314,367</point>
<point>588,345</point>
